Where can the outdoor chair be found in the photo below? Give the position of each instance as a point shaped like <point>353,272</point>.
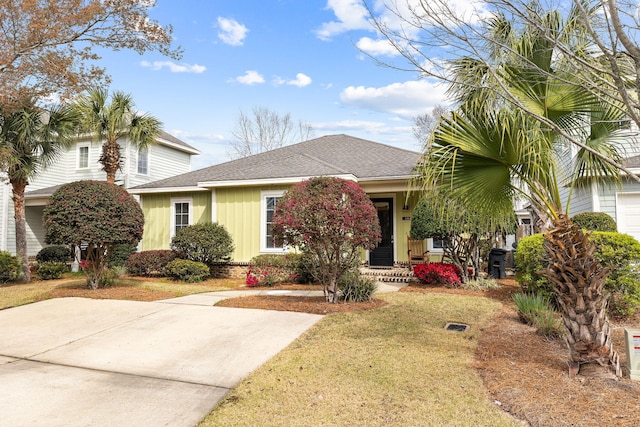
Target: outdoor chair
<point>416,254</point>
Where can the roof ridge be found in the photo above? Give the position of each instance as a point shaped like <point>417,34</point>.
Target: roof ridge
<point>324,162</point>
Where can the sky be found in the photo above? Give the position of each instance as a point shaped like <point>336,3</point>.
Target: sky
<point>308,58</point>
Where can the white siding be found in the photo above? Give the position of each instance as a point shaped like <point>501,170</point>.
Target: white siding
<point>164,162</point>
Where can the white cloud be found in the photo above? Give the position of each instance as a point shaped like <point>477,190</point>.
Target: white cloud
<point>407,99</point>
<point>380,47</point>
<point>301,80</point>
<point>231,31</point>
<point>173,67</point>
<point>250,77</point>
<point>351,14</point>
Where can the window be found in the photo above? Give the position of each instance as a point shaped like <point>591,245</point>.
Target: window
<point>143,161</point>
<point>180,214</point>
<point>83,156</point>
<point>267,241</point>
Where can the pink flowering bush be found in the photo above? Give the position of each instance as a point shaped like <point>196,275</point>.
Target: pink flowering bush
<point>438,273</point>
<point>268,276</point>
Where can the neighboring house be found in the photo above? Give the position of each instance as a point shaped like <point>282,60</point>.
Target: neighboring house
<point>168,157</point>
<point>621,202</point>
<point>242,194</point>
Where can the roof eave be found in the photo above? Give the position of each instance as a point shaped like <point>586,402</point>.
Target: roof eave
<point>157,190</point>
<point>267,181</point>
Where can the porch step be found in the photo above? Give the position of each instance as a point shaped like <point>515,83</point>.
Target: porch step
<point>389,275</point>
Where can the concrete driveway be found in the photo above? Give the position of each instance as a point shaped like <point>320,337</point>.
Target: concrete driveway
<point>85,362</point>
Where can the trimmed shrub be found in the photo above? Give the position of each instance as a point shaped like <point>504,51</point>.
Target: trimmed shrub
<point>121,254</point>
<point>95,213</point>
<point>10,267</point>
<point>438,273</point>
<point>50,270</point>
<point>149,263</point>
<point>55,253</point>
<point>531,258</point>
<point>354,287</point>
<point>619,251</point>
<point>186,270</point>
<point>272,269</point>
<point>207,242</point>
<point>595,221</point>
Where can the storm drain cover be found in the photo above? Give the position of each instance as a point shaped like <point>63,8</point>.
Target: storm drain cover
<point>457,327</point>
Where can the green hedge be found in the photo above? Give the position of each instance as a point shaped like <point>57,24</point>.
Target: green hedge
<point>10,267</point>
<point>620,251</point>
<point>186,270</point>
<point>595,221</point>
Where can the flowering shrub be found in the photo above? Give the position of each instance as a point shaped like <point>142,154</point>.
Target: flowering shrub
<point>331,218</point>
<point>268,276</point>
<point>438,273</point>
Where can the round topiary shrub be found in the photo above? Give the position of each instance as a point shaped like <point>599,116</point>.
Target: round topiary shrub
<point>186,270</point>
<point>50,270</point>
<point>595,221</point>
<point>55,253</point>
<point>530,258</point>
<point>10,267</point>
<point>207,242</point>
<point>95,213</point>
<point>149,263</point>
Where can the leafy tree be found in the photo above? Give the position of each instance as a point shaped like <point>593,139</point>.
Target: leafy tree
<point>440,217</point>
<point>91,213</point>
<point>113,121</point>
<point>522,99</point>
<point>205,242</point>
<point>52,46</point>
<point>30,140</point>
<point>266,130</point>
<point>331,218</point>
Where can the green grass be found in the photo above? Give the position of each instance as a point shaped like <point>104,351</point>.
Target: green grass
<point>395,366</point>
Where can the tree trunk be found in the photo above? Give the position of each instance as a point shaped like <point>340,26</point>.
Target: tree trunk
<point>21,228</point>
<point>579,279</point>
<point>110,159</point>
<point>331,291</point>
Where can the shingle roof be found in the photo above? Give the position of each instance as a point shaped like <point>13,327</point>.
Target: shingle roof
<point>632,162</point>
<point>179,144</point>
<point>327,155</point>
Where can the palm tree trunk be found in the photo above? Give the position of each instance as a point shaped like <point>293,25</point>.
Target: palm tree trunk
<point>110,159</point>
<point>579,279</point>
<point>21,228</point>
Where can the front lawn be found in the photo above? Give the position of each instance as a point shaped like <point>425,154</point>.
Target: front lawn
<point>393,366</point>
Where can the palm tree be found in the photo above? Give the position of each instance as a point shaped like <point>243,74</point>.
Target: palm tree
<point>488,151</point>
<point>112,121</point>
<point>30,140</point>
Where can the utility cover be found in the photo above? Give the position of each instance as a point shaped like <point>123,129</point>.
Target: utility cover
<point>457,327</point>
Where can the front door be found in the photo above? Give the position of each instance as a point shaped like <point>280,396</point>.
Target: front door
<point>382,255</point>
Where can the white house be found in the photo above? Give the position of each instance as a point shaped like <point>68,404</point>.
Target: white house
<point>168,157</point>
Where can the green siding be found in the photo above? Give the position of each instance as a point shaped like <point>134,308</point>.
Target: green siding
<point>157,216</point>
<point>238,209</point>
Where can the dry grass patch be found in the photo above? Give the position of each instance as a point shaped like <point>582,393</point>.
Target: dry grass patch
<point>394,366</point>
<point>128,288</point>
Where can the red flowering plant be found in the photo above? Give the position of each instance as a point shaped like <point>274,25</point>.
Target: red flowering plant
<point>438,273</point>
<point>268,276</point>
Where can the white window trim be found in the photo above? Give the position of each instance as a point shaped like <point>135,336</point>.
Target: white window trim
<point>88,147</point>
<point>263,221</point>
<point>189,200</point>
<point>148,162</point>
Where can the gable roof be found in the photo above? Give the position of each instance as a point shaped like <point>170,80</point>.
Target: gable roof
<point>166,138</point>
<point>331,155</point>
